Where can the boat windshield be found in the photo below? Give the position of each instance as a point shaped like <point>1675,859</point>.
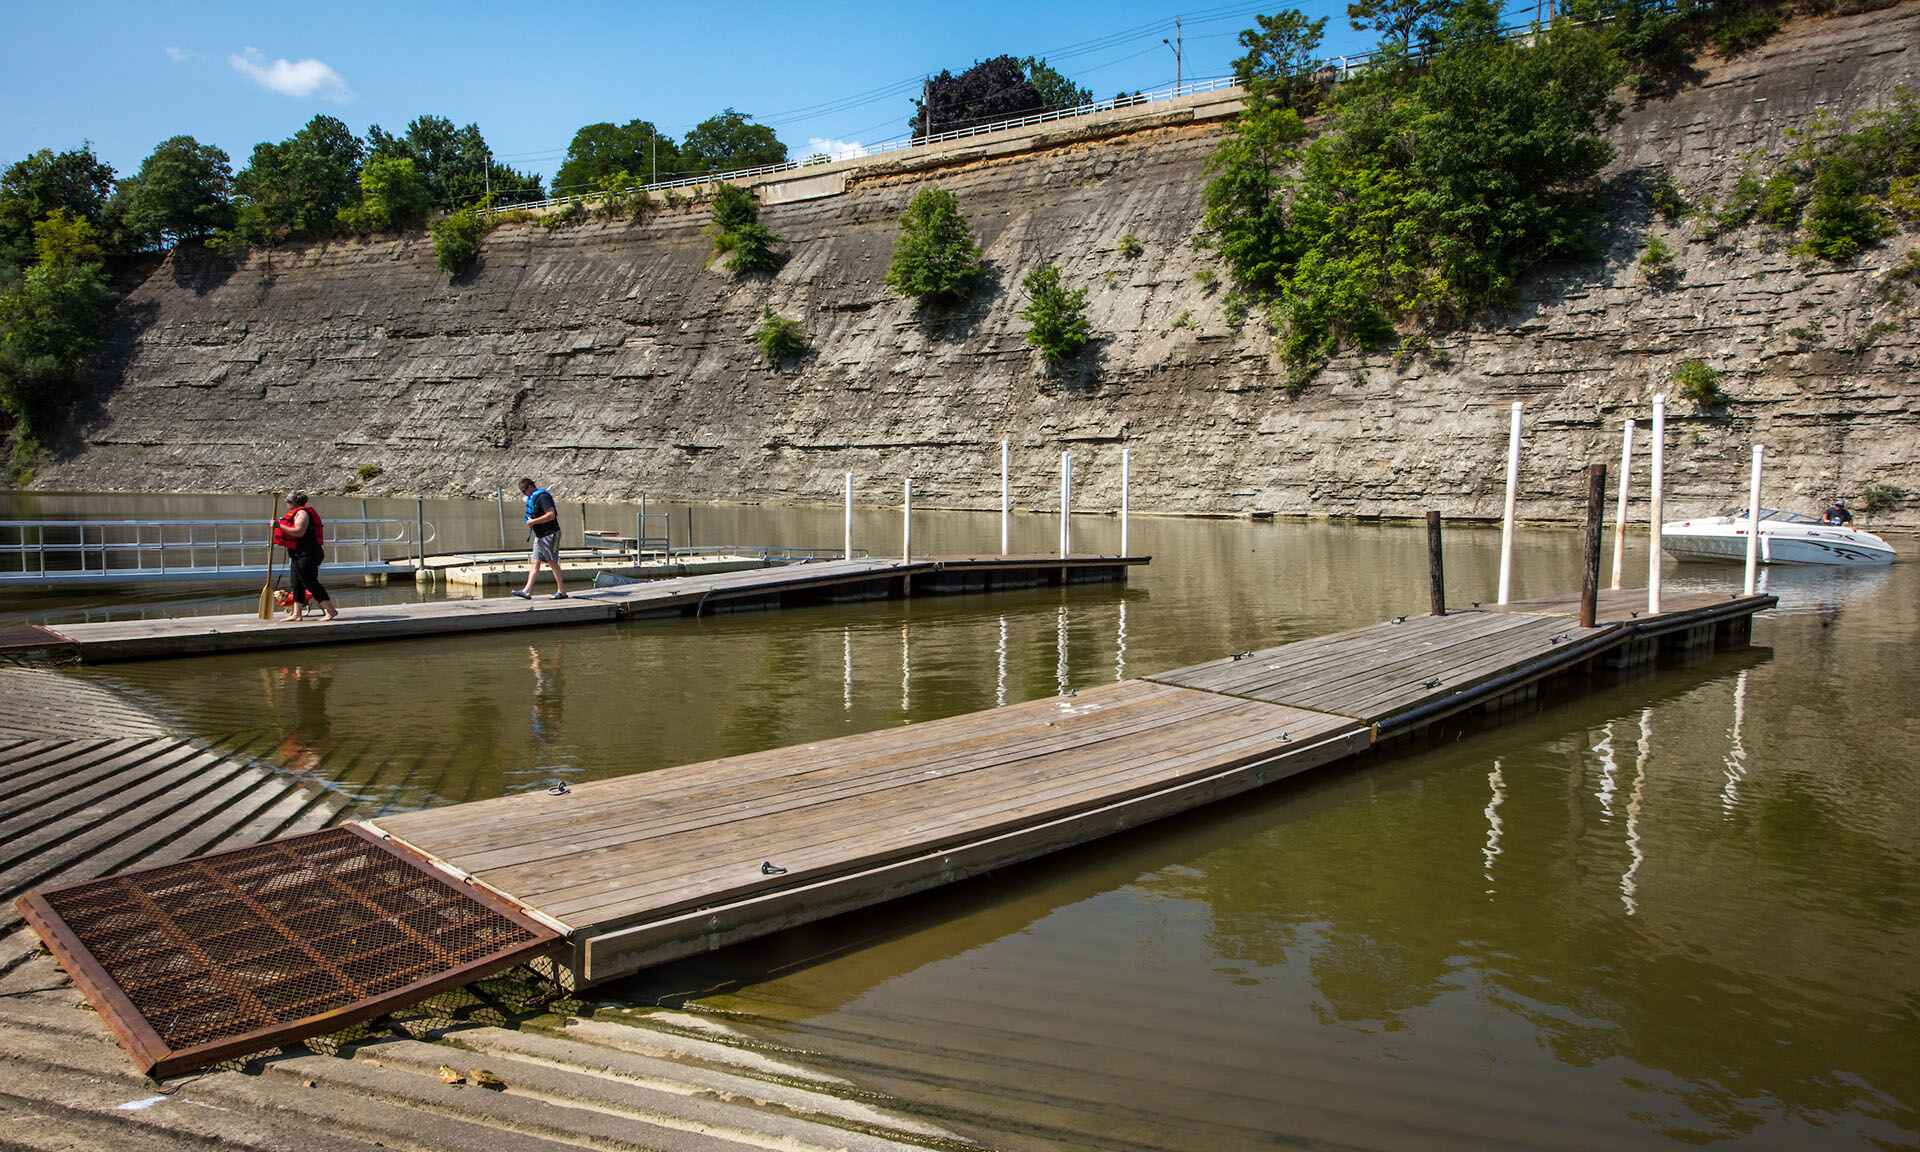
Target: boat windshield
<point>1776,515</point>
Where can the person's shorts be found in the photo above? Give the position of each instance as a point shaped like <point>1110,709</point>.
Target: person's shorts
<point>546,549</point>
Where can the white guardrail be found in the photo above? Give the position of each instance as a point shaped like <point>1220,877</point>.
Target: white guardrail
<point>1332,69</point>
<point>899,144</point>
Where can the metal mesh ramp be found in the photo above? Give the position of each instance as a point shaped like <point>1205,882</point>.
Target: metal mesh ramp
<point>231,953</point>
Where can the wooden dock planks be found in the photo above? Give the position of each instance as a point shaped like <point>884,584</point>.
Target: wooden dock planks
<point>203,635</point>
<point>612,854</point>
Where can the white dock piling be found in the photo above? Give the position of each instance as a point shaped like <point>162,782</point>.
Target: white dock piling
<point>1506,521</point>
<point>1753,522</point>
<point>1004,505</point>
<point>1655,506</point>
<point>1620,502</point>
<point>846,520</point>
<point>906,520</point>
<point>1066,499</point>
<point>1125,462</point>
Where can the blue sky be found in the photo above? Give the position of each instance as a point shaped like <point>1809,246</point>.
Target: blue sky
<point>126,76</point>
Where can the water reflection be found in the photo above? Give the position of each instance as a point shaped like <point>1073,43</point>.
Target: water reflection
<point>1497,784</point>
<point>1629,883</point>
<point>1737,748</point>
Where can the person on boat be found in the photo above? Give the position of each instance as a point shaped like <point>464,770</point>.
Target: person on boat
<point>543,520</point>
<point>1837,514</point>
<point>302,533</point>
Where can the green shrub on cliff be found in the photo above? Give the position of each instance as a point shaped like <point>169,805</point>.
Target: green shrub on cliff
<point>1056,316</point>
<point>780,339</point>
<point>738,235</point>
<point>456,239</point>
<point>934,256</point>
<point>1699,384</point>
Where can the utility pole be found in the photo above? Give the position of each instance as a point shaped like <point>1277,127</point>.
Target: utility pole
<point>1175,45</point>
<point>653,164</point>
<point>926,107</point>
<point>486,174</point>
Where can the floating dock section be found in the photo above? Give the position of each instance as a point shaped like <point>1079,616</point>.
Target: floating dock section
<point>757,588</point>
<point>636,871</point>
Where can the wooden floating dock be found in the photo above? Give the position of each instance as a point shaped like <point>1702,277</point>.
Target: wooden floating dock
<point>658,865</point>
<point>606,878</point>
<point>756,588</point>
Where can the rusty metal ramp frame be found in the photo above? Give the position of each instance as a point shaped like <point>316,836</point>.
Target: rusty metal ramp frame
<point>232,953</point>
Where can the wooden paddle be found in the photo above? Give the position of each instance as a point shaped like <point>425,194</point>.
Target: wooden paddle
<point>266,590</point>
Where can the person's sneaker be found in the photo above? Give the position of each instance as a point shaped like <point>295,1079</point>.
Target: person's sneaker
<point>521,595</point>
<point>559,595</point>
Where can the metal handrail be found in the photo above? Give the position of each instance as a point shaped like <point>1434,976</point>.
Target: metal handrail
<point>132,549</point>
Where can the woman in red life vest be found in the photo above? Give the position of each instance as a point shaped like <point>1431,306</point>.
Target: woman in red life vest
<point>304,536</point>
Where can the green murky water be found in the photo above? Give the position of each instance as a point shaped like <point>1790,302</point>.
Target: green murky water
<point>1683,910</point>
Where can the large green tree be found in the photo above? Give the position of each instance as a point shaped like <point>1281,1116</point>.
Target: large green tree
<point>75,181</point>
<point>600,150</point>
<point>454,164</point>
<point>392,197</point>
<point>182,192</point>
<point>729,142</point>
<point>1054,89</point>
<point>1402,25</point>
<point>1282,57</point>
<point>298,186</point>
<point>51,321</point>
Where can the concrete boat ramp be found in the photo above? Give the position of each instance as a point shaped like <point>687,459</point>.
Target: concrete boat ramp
<point>232,953</point>
<point>756,588</point>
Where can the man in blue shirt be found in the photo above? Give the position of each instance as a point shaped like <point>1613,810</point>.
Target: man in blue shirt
<point>543,522</point>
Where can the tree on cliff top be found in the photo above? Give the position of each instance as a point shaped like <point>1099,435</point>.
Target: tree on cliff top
<point>934,256</point>
<point>298,186</point>
<point>455,164</point>
<point>729,142</point>
<point>75,181</point>
<point>1000,88</point>
<point>1281,61</point>
<point>180,193</point>
<point>599,150</point>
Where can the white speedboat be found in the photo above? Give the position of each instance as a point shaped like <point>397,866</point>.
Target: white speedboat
<point>1785,538</point>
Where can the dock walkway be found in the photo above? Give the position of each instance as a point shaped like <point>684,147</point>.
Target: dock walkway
<point>758,587</point>
<point>631,872</point>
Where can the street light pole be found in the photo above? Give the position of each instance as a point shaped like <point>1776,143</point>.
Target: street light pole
<point>1177,61</point>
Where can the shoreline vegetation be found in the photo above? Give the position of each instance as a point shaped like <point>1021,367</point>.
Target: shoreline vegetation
<point>1425,191</point>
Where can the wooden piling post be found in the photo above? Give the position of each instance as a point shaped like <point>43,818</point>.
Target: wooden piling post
<point>846,520</point>
<point>500,509</point>
<point>1590,583</point>
<point>1126,466</point>
<point>906,520</point>
<point>1436,567</point>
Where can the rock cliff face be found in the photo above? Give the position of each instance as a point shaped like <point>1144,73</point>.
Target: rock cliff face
<point>611,359</point>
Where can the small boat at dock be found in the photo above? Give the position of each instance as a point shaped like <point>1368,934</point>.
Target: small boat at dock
<point>1785,538</point>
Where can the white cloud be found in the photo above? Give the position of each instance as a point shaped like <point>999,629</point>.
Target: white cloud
<point>838,149</point>
<point>177,55</point>
<point>291,77</point>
